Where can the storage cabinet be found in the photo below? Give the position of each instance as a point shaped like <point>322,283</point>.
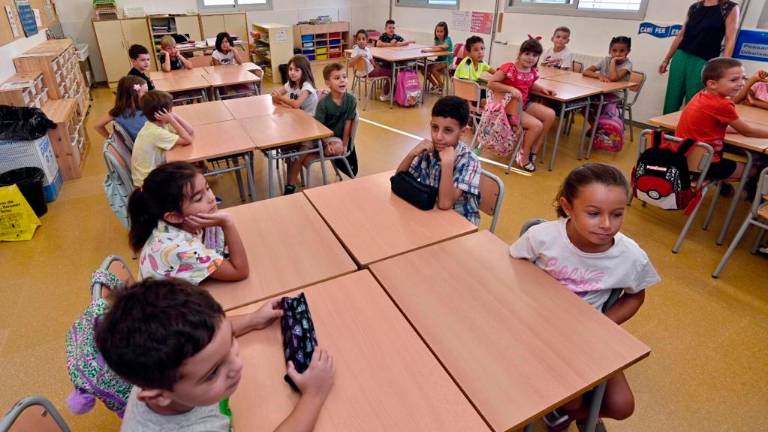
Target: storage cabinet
<point>233,23</point>
<point>68,139</point>
<point>322,41</point>
<point>114,38</point>
<point>273,47</point>
<point>24,89</point>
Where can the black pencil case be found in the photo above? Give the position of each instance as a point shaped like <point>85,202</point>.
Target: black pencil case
<point>299,340</point>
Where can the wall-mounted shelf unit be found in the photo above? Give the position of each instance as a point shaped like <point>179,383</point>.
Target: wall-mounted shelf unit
<point>273,47</point>
<point>322,41</point>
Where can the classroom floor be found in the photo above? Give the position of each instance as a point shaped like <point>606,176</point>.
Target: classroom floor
<point>709,338</point>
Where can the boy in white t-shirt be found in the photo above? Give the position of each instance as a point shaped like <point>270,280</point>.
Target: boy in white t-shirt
<point>559,56</point>
<point>372,68</point>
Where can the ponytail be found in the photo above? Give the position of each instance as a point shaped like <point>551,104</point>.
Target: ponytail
<point>164,190</point>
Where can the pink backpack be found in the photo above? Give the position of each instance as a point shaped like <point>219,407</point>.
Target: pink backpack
<point>408,90</point>
<point>610,129</point>
<point>495,132</point>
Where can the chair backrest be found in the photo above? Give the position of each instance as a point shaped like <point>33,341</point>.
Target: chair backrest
<point>118,162</point>
<point>698,160</point>
<point>759,204</point>
<point>515,107</point>
<point>118,267</point>
<point>201,61</point>
<point>458,54</point>
<point>122,138</point>
<point>491,196</point>
<point>352,135</point>
<point>466,89</point>
<point>638,79</point>
<point>577,66</point>
<point>33,414</point>
<point>359,66</point>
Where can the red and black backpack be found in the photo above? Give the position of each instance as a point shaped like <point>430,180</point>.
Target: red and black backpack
<point>661,177</point>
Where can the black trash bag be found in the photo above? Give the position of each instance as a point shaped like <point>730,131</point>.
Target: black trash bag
<point>23,124</point>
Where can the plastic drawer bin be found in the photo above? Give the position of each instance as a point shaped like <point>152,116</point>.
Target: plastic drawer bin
<point>310,56</point>
<point>308,38</point>
<point>322,57</point>
<point>35,153</point>
<point>321,51</point>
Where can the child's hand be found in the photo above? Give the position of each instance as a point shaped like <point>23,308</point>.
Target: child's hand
<point>204,220</point>
<point>164,116</point>
<point>447,156</point>
<point>317,380</point>
<point>548,92</point>
<point>334,148</point>
<point>275,94</point>
<point>516,94</point>
<point>425,146</point>
<point>760,75</point>
<point>604,78</point>
<point>266,314</point>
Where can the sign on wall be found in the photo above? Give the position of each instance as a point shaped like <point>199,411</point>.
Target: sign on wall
<point>472,21</point>
<point>658,31</point>
<point>752,45</point>
<point>27,17</point>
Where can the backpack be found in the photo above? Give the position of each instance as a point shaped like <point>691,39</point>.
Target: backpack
<point>408,89</point>
<point>661,177</point>
<point>609,135</point>
<point>87,369</point>
<point>118,185</point>
<point>494,131</point>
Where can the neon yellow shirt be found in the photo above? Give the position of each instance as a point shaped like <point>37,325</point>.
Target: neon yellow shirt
<point>467,70</point>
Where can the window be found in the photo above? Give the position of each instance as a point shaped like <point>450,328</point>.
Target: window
<point>228,5</point>
<point>622,9</point>
<point>445,4</point>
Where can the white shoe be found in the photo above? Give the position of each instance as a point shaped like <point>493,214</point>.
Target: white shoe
<point>384,98</point>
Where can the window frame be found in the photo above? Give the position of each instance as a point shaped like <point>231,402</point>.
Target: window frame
<point>572,9</point>
<point>425,4</point>
<point>201,7</point>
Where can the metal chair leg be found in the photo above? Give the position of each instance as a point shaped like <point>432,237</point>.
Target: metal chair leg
<point>711,211</point>
<point>732,247</point>
<point>758,240</point>
<point>631,131</point>
<point>688,223</point>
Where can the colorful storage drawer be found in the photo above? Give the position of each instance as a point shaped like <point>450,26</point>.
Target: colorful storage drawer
<point>321,57</point>
<point>307,38</point>
<point>321,51</point>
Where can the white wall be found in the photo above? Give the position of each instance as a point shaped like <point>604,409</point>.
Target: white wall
<point>13,49</point>
<point>589,36</point>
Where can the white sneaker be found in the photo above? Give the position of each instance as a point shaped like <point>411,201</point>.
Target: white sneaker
<point>384,98</point>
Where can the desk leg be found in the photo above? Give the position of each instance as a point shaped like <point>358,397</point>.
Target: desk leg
<point>736,199</point>
<point>392,85</point>
<point>322,163</point>
<point>205,95</point>
<point>270,173</point>
<point>425,87</point>
<point>557,136</point>
<point>528,428</point>
<point>584,128</point>
<point>249,172</point>
<point>594,127</point>
<point>594,408</point>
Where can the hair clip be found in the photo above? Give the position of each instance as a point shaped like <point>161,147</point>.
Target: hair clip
<point>136,88</point>
<point>536,38</point>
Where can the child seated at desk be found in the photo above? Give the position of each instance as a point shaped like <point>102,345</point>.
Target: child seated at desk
<point>443,42</point>
<point>757,90</point>
<point>584,251</point>
<point>140,61</point>
<point>170,57</point>
<point>178,230</point>
<point>336,110</point>
<point>160,133</point>
<point>225,52</point>
<point>445,162</point>
<point>172,341</point>
<point>473,66</point>
<point>391,39</point>
<point>710,113</point>
<point>559,56</point>
<point>372,67</point>
<point>615,67</point>
<point>300,90</point>
<point>127,109</point>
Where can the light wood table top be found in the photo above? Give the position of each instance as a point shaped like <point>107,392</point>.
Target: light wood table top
<point>283,128</point>
<point>289,247</point>
<point>546,72</point>
<point>399,54</point>
<point>181,83</point>
<point>181,73</point>
<point>580,80</point>
<point>204,113</point>
<point>226,76</point>
<point>386,378</point>
<point>248,66</point>
<point>252,106</point>
<point>566,92</point>
<point>375,224</point>
<point>212,141</point>
<point>759,145</point>
<point>516,341</point>
<point>753,114</point>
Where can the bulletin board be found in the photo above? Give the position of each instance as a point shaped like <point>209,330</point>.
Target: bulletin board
<point>6,34</point>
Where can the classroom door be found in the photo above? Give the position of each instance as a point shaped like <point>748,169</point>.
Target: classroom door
<point>114,51</point>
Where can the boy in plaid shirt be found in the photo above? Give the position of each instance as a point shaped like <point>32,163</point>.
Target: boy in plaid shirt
<point>445,162</point>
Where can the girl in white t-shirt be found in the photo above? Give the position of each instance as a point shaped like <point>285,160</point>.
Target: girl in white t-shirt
<point>585,252</point>
<point>299,91</point>
<point>225,52</point>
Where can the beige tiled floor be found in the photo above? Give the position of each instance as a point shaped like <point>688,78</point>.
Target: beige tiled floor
<point>708,370</point>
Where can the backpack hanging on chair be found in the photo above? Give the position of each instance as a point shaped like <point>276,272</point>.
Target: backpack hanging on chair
<point>661,177</point>
<point>495,132</point>
<point>609,135</point>
<point>408,89</point>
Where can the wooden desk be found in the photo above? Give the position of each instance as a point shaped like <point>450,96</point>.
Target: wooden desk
<point>516,341</point>
<point>252,106</point>
<point>225,76</point>
<point>217,140</point>
<point>160,75</point>
<point>398,55</point>
<point>753,114</point>
<point>248,66</point>
<point>177,84</point>
<point>546,71</point>
<point>204,113</point>
<point>386,378</point>
<point>289,247</point>
<point>579,79</point>
<point>374,224</point>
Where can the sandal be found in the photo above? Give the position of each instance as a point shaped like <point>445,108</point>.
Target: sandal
<point>557,421</point>
<point>289,189</point>
<point>525,165</point>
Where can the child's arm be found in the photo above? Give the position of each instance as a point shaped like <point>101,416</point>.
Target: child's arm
<point>347,133</point>
<point>614,73</point>
<point>754,79</point>
<point>538,88</point>
<point>315,385</point>
<point>626,307</point>
<point>592,72</point>
<point>101,123</point>
<point>496,84</point>
<point>184,124</point>
<point>166,63</point>
<point>294,103</point>
<point>184,61</point>
<point>234,268</point>
<point>436,48</point>
<point>258,320</point>
<point>422,147</point>
<point>185,138</point>
<point>238,57</point>
<point>749,129</point>
<point>447,193</point>
<point>759,104</point>
<point>215,61</point>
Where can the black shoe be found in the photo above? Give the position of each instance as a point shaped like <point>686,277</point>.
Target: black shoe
<point>726,190</point>
<point>289,189</point>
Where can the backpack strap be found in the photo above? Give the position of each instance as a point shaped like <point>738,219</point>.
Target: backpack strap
<point>657,138</point>
<point>686,145</point>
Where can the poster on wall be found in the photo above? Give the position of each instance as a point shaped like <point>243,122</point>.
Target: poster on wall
<point>27,17</point>
<point>472,21</point>
<point>752,45</point>
<point>12,20</point>
<point>658,31</point>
